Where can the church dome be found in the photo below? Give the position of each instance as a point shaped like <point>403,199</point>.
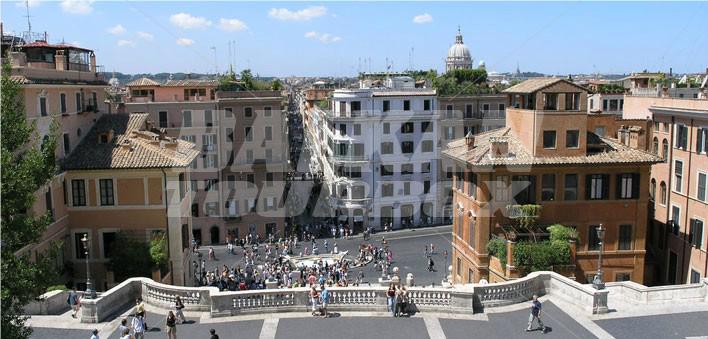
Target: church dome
<point>458,56</point>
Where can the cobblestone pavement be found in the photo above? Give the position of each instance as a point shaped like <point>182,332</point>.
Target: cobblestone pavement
<point>407,246</point>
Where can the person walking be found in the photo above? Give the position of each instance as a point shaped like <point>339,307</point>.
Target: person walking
<point>125,334</point>
<point>213,334</point>
<point>94,334</point>
<point>431,264</point>
<point>535,314</point>
<point>179,305</point>
<point>314,298</point>
<point>324,297</point>
<point>171,325</point>
<point>138,327</point>
<point>74,301</point>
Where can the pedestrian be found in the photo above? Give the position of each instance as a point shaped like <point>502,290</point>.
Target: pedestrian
<point>179,305</point>
<point>74,301</point>
<point>212,255</point>
<point>94,334</point>
<point>171,324</point>
<point>425,252</point>
<point>140,311</point>
<point>125,334</point>
<point>391,298</point>
<point>138,327</point>
<point>535,314</point>
<point>213,334</point>
<point>324,297</point>
<point>314,297</point>
<point>431,265</point>
<point>123,326</point>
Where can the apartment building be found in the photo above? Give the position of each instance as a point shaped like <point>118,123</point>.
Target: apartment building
<point>378,148</point>
<point>676,237</point>
<point>547,154</point>
<point>128,176</point>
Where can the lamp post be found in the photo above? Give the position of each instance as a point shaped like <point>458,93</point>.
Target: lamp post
<point>597,282</point>
<point>90,292</point>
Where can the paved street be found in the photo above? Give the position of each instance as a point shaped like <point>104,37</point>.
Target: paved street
<point>678,325</point>
<point>407,246</point>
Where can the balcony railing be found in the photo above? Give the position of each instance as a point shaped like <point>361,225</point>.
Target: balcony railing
<point>523,211</point>
<point>350,158</point>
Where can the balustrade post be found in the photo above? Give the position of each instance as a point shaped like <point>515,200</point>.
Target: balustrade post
<point>510,269</point>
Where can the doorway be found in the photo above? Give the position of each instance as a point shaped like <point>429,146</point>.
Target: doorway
<point>214,231</point>
<point>673,261</point>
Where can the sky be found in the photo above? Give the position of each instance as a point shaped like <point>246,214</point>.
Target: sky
<point>339,38</point>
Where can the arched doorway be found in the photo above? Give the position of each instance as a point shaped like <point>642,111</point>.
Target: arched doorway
<point>214,231</point>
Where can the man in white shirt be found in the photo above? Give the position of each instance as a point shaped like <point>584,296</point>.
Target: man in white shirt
<point>138,327</point>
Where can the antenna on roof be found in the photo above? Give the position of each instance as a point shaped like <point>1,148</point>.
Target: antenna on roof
<point>29,24</point>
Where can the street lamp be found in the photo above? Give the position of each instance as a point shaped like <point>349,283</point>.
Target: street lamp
<point>597,282</point>
<point>90,292</point>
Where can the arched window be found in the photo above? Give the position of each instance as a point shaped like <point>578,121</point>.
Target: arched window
<point>656,146</point>
<point>652,189</point>
<point>662,197</point>
<point>665,150</point>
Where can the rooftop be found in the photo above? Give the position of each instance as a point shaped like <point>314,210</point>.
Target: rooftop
<point>123,141</point>
<point>480,154</point>
<point>147,82</point>
<point>535,84</point>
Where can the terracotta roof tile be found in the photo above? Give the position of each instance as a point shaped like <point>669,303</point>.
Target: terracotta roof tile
<point>142,82</point>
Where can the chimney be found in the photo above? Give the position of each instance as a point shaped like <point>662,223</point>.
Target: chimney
<point>172,144</point>
<point>60,60</point>
<point>499,147</point>
<point>92,60</point>
<point>665,92</point>
<point>469,141</point>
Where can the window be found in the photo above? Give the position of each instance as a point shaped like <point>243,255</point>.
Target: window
<point>676,218</point>
<point>386,170</point>
<point>625,238</point>
<point>109,242</point>
<point>357,129</point>
<point>62,102</point>
<point>427,146</point>
<point>355,172</point>
<point>163,119</point>
<point>426,186</point>
<point>425,167</point>
<point>678,176</point>
<point>269,179</point>
<point>548,187</point>
<point>78,192</point>
<point>386,105</point>
<point>407,147</point>
<point>269,133</point>
<point>605,105</point>
<point>593,240</point>
<point>211,209</point>
<point>406,188</point>
<point>269,155</point>
<point>628,186</point>
<point>248,134</point>
<point>572,139</point>
<point>701,191</point>
<point>248,112</point>
<point>655,146</point>
<point>407,128</point>
<point>267,111</point>
<point>622,276</point>
<point>665,149</point>
<point>209,160</point>
<point>208,142</point>
<point>695,276</point>
<point>525,185</point>
<point>485,108</point>
<point>194,186</point>
<point>250,180</point>
<point>229,134</point>
<point>662,193</point>
<point>249,156</point>
<point>551,101</point>
<point>681,136</point>
<point>387,147</point>
<point>502,108</point>
<point>549,139</point>
<point>426,127</point>
<point>386,128</point>
<point>208,119</point>
<point>695,236</point>
<point>570,191</point>
<point>449,133</point>
<point>355,108</point>
<point>387,190</point>
<point>458,268</point>
<point>501,188</point>
<point>702,140</point>
<point>211,185</point>
<point>251,205</point>
<point>597,186</point>
<point>406,169</point>
<point>79,106</point>
<point>186,118</point>
<point>228,112</point>
<point>572,101</point>
<point>106,190</point>
<point>614,105</point>
<point>472,184</point>
<point>43,106</point>
<point>232,207</point>
<point>190,138</point>
<point>426,104</point>
<point>652,189</point>
<point>67,144</point>
<point>406,105</point>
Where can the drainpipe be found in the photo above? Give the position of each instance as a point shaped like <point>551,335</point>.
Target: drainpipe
<point>167,225</point>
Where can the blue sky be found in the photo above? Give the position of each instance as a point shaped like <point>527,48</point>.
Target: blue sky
<point>330,38</point>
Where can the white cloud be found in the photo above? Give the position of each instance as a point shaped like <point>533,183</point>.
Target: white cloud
<point>301,15</point>
<point>187,21</point>
<point>145,36</point>
<point>117,29</point>
<point>324,38</point>
<point>185,42</point>
<point>232,25</point>
<point>123,42</point>
<point>423,18</point>
<point>77,6</point>
<point>31,3</point>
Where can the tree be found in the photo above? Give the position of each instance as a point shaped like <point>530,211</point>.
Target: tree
<point>276,85</point>
<point>158,251</point>
<point>27,165</point>
<point>247,79</point>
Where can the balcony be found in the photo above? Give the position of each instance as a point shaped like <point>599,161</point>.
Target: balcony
<point>495,114</point>
<point>350,158</point>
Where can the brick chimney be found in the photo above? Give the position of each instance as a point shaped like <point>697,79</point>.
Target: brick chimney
<point>499,147</point>
<point>469,141</point>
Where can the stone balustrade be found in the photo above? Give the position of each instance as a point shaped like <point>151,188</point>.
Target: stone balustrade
<point>460,299</point>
